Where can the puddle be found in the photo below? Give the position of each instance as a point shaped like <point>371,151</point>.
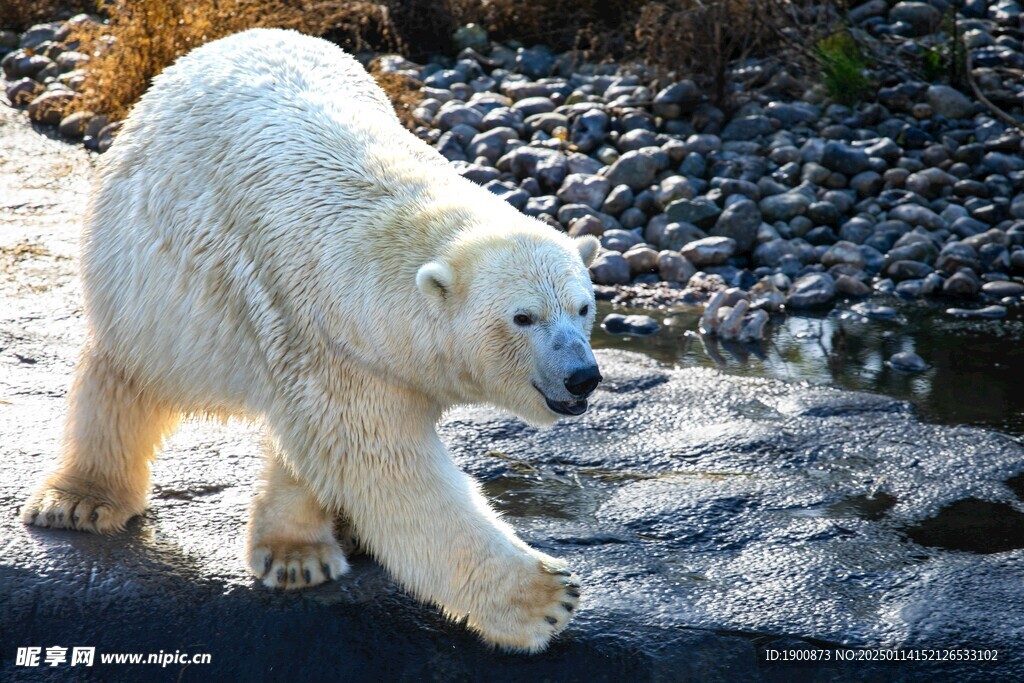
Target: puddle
<point>973,525</point>
<point>544,495</point>
<point>974,376</point>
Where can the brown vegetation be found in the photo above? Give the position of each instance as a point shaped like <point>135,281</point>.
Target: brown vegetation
<point>697,38</point>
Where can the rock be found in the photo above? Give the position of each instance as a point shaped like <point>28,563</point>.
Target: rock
<point>961,284</point>
<point>920,17</point>
<point>709,251</point>
<point>843,159</point>
<point>785,206</point>
<point>641,260</point>
<point>620,240</point>
<point>811,290</point>
<point>20,64</point>
<point>675,236</point>
<point>589,129</point>
<point>610,268</point>
<point>548,166</point>
<point>907,362</point>
<point>633,169</point>
<point>586,225</point>
<point>949,102</point>
<point>470,37</point>
<point>772,252</point>
<point>843,252</point>
<point>23,91</point>
<point>584,189</point>
<point>618,200</point>
<point>37,35</point>
<point>739,222</point>
<point>851,287</point>
<point>988,312</point>
<point>49,107</point>
<point>638,325</point>
<point>510,193</point>
<point>73,125</point>
<point>673,267</point>
<point>535,62</point>
<point>1002,288</point>
<point>915,214</point>
<point>701,212</point>
<point>874,311</point>
<point>677,99</point>
<point>747,128</point>
<point>530,106</point>
<point>907,270</point>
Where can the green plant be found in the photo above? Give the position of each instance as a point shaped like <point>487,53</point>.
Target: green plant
<point>844,70</point>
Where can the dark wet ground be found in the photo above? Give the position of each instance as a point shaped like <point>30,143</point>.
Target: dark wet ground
<point>716,510</point>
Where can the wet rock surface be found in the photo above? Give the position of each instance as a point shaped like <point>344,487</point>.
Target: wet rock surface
<point>710,517</point>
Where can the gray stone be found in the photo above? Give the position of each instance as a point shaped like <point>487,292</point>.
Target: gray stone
<point>529,106</point>
<point>844,159</point>
<point>548,166</point>
<point>747,128</point>
<point>851,287</point>
<point>618,200</point>
<point>921,17</point>
<point>811,290</point>
<point>949,102</point>
<point>740,221</point>
<point>610,268</point>
<point>771,253</point>
<point>843,252</point>
<point>584,189</point>
<point>988,312</point>
<point>915,214</point>
<point>677,99</point>
<point>1002,288</point>
<point>673,267</point>
<point>23,91</point>
<point>908,361</point>
<point>633,169</point>
<point>701,212</point>
<point>961,284</point>
<point>638,325</point>
<point>74,125</point>
<point>675,236</point>
<point>709,251</point>
<point>535,62</point>
<point>641,259</point>
<point>49,107</point>
<point>785,206</point>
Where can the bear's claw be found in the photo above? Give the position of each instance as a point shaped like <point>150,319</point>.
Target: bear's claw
<point>297,565</point>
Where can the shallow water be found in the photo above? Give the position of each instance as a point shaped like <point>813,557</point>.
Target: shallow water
<point>976,373</point>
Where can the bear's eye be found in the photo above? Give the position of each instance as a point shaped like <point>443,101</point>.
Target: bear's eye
<point>522,320</point>
<point>585,310</point>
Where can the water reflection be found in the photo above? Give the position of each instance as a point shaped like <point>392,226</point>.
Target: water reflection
<point>975,374</point>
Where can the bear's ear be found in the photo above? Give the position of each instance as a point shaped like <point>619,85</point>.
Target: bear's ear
<point>435,279</point>
<point>588,246</point>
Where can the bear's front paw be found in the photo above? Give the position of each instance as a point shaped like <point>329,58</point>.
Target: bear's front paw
<point>535,607</point>
<point>60,508</point>
<point>290,565</point>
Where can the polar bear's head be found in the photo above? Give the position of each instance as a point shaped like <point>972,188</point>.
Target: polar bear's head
<point>518,308</point>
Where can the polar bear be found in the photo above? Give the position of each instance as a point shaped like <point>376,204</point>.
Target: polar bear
<point>265,239</point>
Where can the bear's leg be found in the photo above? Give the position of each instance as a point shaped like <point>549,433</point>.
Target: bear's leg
<point>428,524</point>
<point>291,536</point>
<point>113,428</point>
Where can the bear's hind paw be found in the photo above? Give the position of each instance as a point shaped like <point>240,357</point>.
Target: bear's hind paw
<point>291,565</point>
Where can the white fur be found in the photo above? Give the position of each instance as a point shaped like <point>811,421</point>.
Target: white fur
<point>266,239</point>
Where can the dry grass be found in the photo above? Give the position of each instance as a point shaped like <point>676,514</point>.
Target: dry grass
<point>688,37</point>
<point>18,15</point>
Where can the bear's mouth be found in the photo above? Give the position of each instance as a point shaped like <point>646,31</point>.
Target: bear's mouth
<point>571,408</point>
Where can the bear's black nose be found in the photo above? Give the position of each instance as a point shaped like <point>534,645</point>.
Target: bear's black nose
<point>583,381</point>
